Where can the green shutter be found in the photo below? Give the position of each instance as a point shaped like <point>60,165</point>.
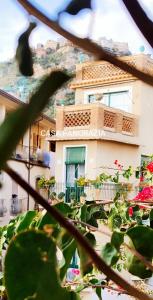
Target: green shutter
<point>75,155</point>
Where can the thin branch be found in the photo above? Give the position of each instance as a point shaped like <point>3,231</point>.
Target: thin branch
<point>101,265</point>
<point>140,18</point>
<point>103,286</point>
<point>86,44</point>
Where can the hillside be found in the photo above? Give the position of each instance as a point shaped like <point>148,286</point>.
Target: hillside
<point>53,54</point>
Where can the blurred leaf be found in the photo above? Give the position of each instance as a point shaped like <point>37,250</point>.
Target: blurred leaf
<point>140,239</point>
<point>48,219</point>
<point>117,239</point>
<point>31,269</point>
<point>98,291</point>
<point>68,247</point>
<point>25,220</point>
<point>86,265</point>
<point>77,5</point>
<point>114,221</point>
<point>17,122</point>
<point>110,254</point>
<point>23,52</point>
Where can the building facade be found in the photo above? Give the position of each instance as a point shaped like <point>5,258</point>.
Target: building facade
<point>33,157</point>
<point>111,119</point>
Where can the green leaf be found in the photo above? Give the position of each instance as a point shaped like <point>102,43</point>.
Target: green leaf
<point>68,247</point>
<point>31,269</point>
<point>25,220</point>
<point>117,239</point>
<point>77,5</point>
<point>99,292</point>
<point>86,265</point>
<point>18,121</point>
<point>140,239</point>
<point>48,219</point>
<point>110,254</point>
<point>114,221</point>
<point>23,52</point>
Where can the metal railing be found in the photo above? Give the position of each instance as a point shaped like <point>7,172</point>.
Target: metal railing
<point>99,192</point>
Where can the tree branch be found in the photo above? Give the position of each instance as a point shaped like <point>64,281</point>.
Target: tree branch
<point>101,265</point>
<point>140,18</point>
<point>86,44</point>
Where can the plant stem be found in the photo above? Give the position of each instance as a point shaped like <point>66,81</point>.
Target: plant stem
<point>100,264</point>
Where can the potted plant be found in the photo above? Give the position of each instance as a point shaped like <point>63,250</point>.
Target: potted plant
<point>43,188</point>
<point>73,197</point>
<point>61,196</point>
<point>53,198</point>
<point>83,197</point>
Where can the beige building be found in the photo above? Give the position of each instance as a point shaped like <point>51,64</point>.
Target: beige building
<point>111,119</point>
<point>33,157</point>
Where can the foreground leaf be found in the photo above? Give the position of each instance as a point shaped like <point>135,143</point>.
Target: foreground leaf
<point>23,52</point>
<point>31,269</point>
<point>141,238</point>
<point>110,254</point>
<point>77,5</point>
<point>17,122</point>
<point>86,264</point>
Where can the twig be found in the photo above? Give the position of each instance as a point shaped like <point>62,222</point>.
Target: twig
<point>86,44</point>
<point>142,21</point>
<point>100,264</point>
<point>103,286</point>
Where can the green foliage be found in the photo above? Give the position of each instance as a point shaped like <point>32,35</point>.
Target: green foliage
<point>31,269</point>
<point>98,292</point>
<point>140,239</point>
<point>117,239</point>
<point>68,246</point>
<point>110,254</point>
<point>86,264</point>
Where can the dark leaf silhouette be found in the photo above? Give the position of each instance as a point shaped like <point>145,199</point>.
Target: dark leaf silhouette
<point>23,52</point>
<point>76,5</point>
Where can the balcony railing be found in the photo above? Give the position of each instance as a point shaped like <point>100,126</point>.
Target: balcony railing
<point>34,156</point>
<point>100,72</point>
<point>79,121</point>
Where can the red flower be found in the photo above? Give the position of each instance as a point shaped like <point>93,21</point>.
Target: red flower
<point>116,162</point>
<point>142,207</point>
<point>150,167</point>
<point>145,194</point>
<point>130,211</point>
<point>76,271</point>
<point>141,178</point>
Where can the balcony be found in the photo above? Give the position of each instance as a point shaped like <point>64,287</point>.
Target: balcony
<point>34,156</point>
<point>96,122</point>
<point>102,72</point>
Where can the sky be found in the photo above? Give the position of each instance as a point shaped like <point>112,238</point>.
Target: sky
<point>111,20</point>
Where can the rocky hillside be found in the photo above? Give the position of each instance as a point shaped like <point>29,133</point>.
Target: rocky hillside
<point>61,53</point>
<point>46,57</point>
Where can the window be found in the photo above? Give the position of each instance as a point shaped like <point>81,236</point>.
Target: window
<point>119,100</point>
<point>52,146</point>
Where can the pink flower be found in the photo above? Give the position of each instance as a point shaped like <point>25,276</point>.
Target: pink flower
<point>150,167</point>
<point>116,162</point>
<point>76,271</point>
<point>145,194</point>
<point>130,211</point>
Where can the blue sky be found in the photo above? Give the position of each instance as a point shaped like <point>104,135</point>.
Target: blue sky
<point>111,21</point>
